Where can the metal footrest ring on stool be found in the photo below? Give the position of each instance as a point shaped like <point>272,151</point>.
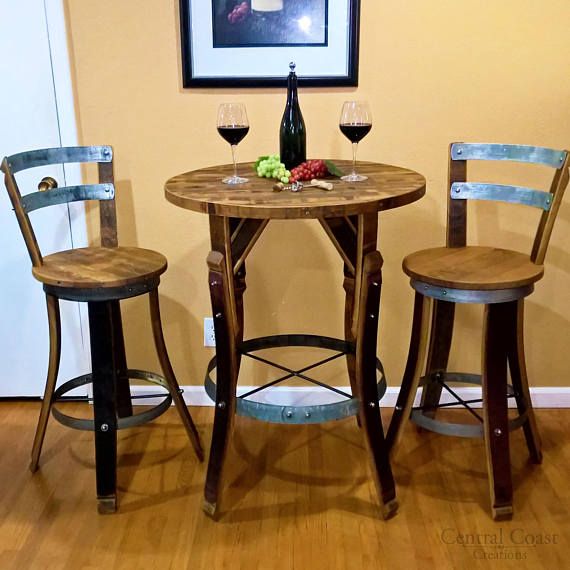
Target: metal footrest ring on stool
<point>456,429</point>
<point>122,423</point>
<point>276,413</point>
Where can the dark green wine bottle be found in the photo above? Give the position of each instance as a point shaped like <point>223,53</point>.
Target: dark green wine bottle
<point>292,134</point>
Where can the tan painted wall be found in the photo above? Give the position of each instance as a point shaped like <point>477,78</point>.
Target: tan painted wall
<point>433,70</point>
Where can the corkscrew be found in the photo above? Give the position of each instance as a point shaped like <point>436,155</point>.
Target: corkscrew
<point>298,186</point>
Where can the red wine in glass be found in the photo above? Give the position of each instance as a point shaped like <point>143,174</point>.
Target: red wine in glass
<point>233,126</point>
<point>233,133</point>
<point>355,123</point>
<point>355,133</point>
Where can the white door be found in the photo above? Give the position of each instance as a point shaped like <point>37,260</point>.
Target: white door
<point>36,111</point>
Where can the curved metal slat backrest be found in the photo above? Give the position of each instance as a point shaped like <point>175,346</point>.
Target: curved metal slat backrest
<point>460,190</point>
<point>501,193</point>
<point>104,192</point>
<point>37,200</point>
<point>70,154</point>
<point>512,152</point>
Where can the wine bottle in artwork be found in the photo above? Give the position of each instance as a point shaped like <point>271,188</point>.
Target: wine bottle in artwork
<point>266,5</point>
<point>292,134</point>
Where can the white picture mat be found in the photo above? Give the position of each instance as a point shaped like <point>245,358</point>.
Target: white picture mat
<point>312,61</point>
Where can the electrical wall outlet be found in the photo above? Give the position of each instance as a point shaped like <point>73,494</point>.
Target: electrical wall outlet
<point>209,334</point>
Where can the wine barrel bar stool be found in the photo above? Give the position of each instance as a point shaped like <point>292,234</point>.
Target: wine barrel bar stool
<point>500,279</point>
<point>349,216</point>
<point>101,277</point>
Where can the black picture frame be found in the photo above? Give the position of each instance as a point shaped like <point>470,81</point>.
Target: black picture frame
<point>191,77</point>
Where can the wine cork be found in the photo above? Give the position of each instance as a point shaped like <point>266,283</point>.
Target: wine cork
<point>322,184</point>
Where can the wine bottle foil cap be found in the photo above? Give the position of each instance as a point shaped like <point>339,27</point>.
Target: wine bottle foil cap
<point>292,67</point>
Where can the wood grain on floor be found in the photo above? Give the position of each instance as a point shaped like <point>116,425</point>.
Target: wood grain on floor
<point>300,497</point>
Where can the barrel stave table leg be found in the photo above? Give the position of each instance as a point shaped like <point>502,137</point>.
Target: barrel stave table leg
<point>225,404</point>
<point>366,342</point>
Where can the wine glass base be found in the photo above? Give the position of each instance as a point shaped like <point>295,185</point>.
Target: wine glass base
<point>235,180</point>
<point>354,177</point>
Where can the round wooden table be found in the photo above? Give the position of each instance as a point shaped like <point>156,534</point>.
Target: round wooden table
<point>349,216</point>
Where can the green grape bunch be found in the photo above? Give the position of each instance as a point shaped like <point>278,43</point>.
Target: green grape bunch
<point>271,167</point>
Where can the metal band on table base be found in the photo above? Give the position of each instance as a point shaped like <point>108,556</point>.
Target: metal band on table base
<point>275,413</point>
<point>455,429</point>
<point>122,423</point>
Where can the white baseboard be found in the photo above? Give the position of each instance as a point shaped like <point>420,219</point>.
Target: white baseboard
<point>542,397</point>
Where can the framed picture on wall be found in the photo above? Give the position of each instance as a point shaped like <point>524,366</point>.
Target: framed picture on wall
<point>249,43</point>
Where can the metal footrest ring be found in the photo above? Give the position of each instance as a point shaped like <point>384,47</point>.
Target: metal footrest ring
<point>276,413</point>
<point>122,423</point>
<point>457,429</point>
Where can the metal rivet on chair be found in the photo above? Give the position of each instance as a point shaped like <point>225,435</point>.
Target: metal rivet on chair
<point>104,427</point>
<point>372,404</point>
<point>498,432</point>
<point>221,405</point>
<point>289,414</point>
<point>218,315</point>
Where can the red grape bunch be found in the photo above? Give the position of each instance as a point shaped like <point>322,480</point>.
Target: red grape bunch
<point>309,170</point>
<point>239,13</point>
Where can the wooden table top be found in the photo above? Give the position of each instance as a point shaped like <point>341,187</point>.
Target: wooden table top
<point>202,191</point>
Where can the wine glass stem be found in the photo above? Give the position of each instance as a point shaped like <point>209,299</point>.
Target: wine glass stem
<point>354,149</point>
<point>234,146</point>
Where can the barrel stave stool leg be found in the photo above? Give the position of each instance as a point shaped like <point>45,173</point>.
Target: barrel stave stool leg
<point>53,368</point>
<point>496,428</point>
<point>169,375</point>
<point>101,326</point>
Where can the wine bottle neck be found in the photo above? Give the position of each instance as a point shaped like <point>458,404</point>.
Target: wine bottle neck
<point>292,97</point>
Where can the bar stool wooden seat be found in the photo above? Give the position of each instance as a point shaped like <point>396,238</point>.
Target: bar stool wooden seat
<point>90,267</point>
<point>499,279</point>
<point>101,277</point>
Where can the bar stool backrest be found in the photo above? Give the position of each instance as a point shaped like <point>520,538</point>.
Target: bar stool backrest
<point>460,190</point>
<point>49,194</point>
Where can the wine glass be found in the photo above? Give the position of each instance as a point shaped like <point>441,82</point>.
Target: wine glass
<point>233,126</point>
<point>355,123</point>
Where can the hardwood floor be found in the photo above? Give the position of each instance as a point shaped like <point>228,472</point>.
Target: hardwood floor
<point>300,497</point>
